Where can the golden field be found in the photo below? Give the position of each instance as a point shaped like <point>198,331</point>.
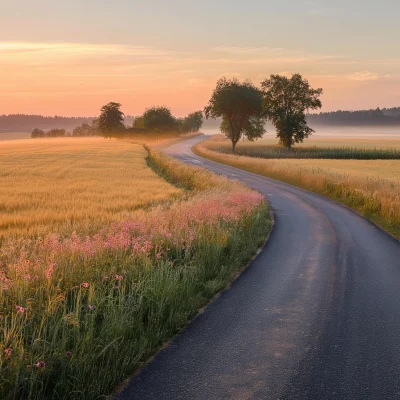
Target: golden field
<point>48,182</point>
<point>321,141</point>
<point>372,187</point>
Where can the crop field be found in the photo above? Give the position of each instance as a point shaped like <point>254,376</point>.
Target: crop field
<point>372,187</point>
<point>368,142</point>
<point>48,182</point>
<point>346,149</point>
<point>80,310</point>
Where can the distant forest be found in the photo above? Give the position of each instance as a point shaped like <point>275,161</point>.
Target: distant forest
<point>26,123</point>
<point>379,116</point>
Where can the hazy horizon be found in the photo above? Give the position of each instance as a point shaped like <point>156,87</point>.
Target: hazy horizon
<point>72,58</point>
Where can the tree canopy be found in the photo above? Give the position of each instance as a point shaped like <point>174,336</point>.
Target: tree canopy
<point>111,120</point>
<point>84,130</point>
<point>240,106</point>
<point>193,122</point>
<point>38,133</point>
<point>285,103</point>
<point>159,119</point>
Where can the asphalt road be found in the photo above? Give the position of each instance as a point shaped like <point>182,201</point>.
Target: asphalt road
<point>315,316</point>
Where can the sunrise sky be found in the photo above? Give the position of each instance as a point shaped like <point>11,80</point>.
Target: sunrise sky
<point>69,58</point>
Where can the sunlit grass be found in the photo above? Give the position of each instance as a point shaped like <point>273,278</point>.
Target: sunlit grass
<point>48,182</point>
<point>371,187</point>
<point>80,311</point>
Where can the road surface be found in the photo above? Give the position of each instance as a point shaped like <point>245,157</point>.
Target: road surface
<point>315,316</point>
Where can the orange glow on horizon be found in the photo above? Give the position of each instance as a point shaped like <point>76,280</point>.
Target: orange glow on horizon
<point>76,79</point>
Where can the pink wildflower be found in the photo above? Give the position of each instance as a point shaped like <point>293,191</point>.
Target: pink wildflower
<point>8,351</point>
<point>40,364</point>
<point>119,277</point>
<point>50,270</point>
<point>85,285</point>
<point>68,354</point>
<point>20,310</point>
<point>91,307</point>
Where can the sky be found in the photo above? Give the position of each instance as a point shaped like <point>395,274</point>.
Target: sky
<point>71,57</point>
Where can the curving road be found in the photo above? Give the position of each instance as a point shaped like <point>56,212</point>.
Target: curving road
<point>315,316</point>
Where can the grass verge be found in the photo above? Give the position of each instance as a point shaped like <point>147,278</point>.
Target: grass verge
<point>376,198</point>
<point>80,313</point>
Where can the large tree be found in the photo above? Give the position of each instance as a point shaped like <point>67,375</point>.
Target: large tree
<point>111,120</point>
<point>240,106</point>
<point>285,103</point>
<point>159,119</point>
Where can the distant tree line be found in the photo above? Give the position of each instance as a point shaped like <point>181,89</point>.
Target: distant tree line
<point>384,116</point>
<point>112,123</point>
<point>83,130</point>
<point>160,119</point>
<point>25,123</point>
<point>155,120</point>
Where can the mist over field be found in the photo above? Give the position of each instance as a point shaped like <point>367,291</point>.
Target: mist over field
<point>320,131</point>
<point>334,132</point>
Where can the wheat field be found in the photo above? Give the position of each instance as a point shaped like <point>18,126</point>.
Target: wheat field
<point>48,182</point>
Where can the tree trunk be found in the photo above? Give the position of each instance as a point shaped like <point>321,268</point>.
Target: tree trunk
<point>233,146</point>
<point>286,142</point>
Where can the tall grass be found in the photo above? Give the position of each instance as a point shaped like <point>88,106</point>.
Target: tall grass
<point>339,153</point>
<point>79,313</point>
<point>370,187</point>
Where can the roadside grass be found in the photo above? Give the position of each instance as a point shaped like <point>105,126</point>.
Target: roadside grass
<point>79,313</point>
<point>48,182</point>
<point>371,187</point>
